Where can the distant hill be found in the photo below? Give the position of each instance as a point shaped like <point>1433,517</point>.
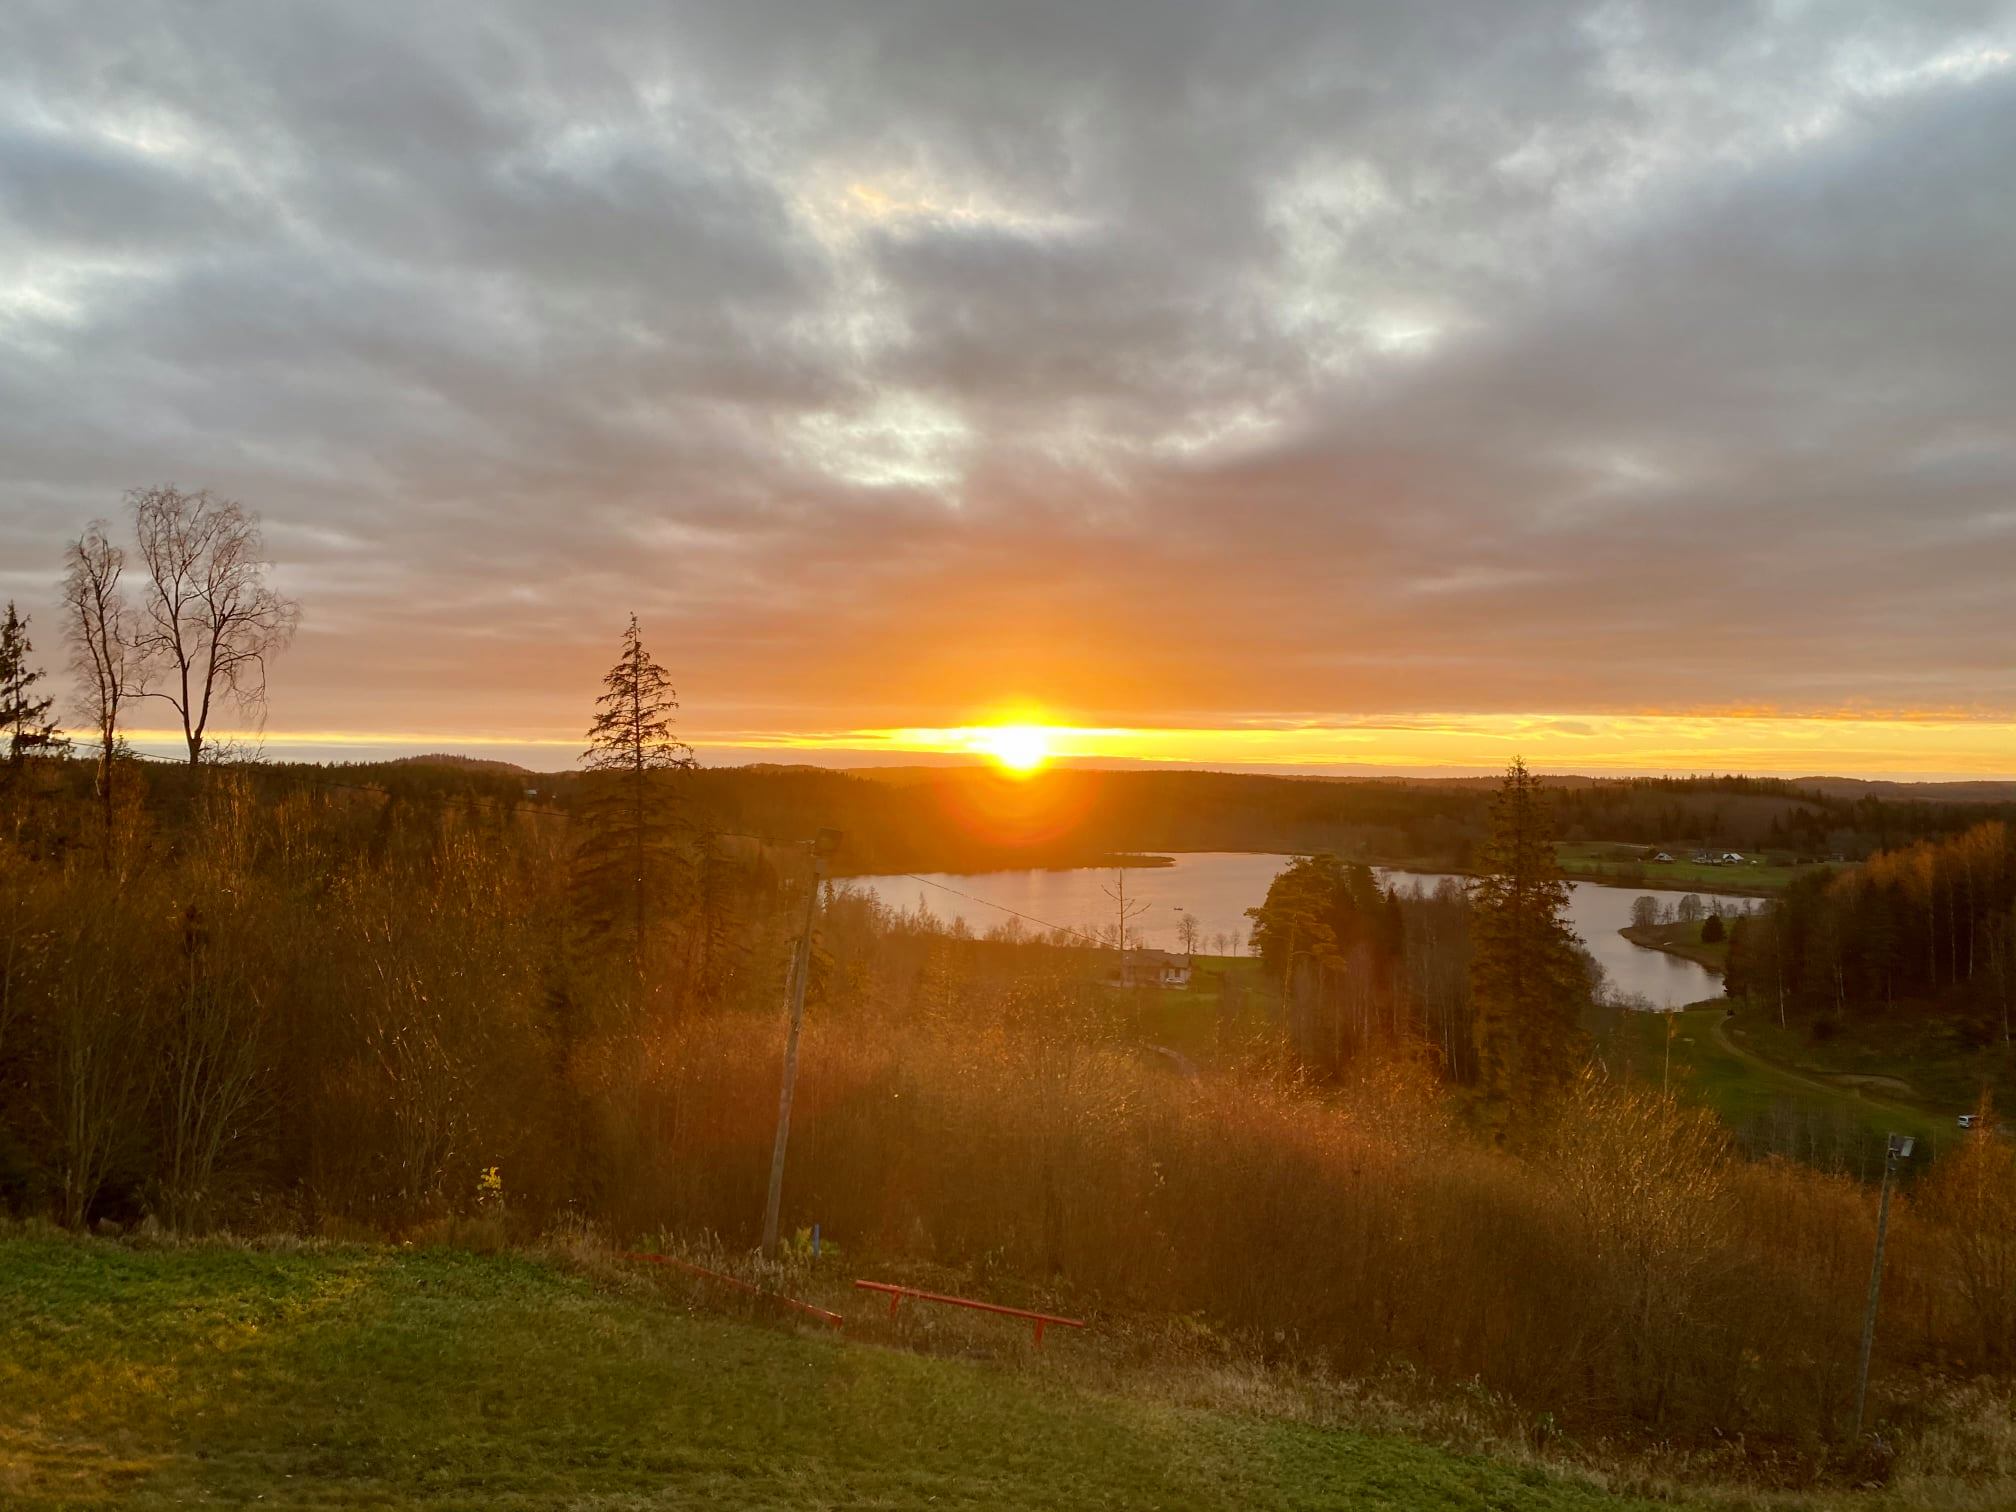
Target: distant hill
<point>462,763</point>
<point>1911,792</point>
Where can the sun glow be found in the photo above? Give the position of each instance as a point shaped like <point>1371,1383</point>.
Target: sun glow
<point>1020,749</point>
<point>1930,745</point>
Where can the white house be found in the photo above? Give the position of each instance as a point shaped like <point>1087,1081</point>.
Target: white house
<point>1154,968</point>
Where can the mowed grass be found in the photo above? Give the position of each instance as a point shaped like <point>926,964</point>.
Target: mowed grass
<point>1187,1019</point>
<point>1937,1058</point>
<point>362,1377</point>
<point>1754,1096</point>
<point>1683,940</point>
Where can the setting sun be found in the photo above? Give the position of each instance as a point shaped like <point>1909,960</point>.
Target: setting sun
<point>1019,748</point>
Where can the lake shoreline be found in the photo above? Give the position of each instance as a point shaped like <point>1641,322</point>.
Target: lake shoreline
<point>1219,888</point>
<point>1153,860</point>
<point>1706,957</point>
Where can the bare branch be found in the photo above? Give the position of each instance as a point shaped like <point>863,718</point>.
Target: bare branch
<point>210,621</point>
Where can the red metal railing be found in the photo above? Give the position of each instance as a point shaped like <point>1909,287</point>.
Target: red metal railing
<point>735,1282</point>
<point>898,1293</point>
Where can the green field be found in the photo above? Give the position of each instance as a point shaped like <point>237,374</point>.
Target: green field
<point>1683,940</point>
<point>371,1377</point>
<point>1935,1060</point>
<point>1187,1019</point>
<point>1772,1108</point>
<point>1625,866</point>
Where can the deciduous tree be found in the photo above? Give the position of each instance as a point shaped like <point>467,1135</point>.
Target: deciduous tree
<point>209,620</point>
<point>100,627</point>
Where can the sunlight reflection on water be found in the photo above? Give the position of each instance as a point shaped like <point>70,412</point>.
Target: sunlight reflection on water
<point>1219,886</point>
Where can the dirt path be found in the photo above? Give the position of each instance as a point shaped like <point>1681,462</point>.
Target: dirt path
<point>1857,1090</point>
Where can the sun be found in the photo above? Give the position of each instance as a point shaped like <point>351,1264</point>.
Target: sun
<point>1020,749</point>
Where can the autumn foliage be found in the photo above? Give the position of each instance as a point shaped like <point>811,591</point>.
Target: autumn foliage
<point>314,1007</point>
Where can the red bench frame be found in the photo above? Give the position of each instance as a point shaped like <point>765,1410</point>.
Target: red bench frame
<point>898,1293</point>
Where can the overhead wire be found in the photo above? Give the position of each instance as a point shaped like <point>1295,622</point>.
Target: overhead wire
<point>1077,934</point>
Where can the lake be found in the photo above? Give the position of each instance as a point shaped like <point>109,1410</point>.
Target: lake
<point>1219,886</point>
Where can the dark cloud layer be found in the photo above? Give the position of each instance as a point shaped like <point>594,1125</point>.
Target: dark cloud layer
<point>1158,361</point>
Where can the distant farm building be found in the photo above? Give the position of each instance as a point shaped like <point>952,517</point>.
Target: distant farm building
<point>1154,968</point>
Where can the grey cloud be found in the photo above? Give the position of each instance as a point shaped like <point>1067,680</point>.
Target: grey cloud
<point>1374,356</point>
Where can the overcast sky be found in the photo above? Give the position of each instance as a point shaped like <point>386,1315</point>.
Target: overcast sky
<point>1141,363</point>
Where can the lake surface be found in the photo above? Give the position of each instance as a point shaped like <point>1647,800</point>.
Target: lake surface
<point>1219,886</point>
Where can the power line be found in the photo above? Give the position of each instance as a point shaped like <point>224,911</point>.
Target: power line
<point>990,903</point>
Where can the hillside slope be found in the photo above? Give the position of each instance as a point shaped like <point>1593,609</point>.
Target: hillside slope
<point>435,1378</point>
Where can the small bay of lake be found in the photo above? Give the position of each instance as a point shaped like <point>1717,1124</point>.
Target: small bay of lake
<point>1219,886</point>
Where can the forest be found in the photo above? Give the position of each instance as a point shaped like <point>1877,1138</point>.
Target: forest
<point>1915,935</point>
<point>446,1003</point>
<point>972,818</point>
<point>414,1012</point>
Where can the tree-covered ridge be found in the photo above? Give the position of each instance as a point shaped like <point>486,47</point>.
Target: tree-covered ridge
<point>1930,927</point>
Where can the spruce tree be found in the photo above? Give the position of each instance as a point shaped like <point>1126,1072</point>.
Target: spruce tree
<point>1526,976</point>
<point>24,714</point>
<point>629,861</point>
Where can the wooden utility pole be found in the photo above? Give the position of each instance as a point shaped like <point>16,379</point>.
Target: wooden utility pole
<point>1129,912</point>
<point>1899,1149</point>
<point>801,968</point>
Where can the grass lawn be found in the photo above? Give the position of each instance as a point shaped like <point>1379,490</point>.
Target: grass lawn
<point>1622,865</point>
<point>1772,1109</point>
<point>1186,1019</point>
<point>1930,1056</point>
<point>1682,940</point>
<point>366,1377</point>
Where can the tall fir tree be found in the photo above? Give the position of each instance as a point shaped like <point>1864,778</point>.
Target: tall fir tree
<point>630,863</point>
<point>1526,975</point>
<point>24,713</point>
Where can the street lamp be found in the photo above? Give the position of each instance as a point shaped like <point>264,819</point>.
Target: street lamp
<point>1899,1149</point>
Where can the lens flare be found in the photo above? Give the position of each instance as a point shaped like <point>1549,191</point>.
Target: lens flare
<point>1021,749</point>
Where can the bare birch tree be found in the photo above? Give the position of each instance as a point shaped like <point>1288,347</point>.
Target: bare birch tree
<point>100,627</point>
<point>209,621</point>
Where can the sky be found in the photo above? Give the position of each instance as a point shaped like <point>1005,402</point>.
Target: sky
<point>1324,386</point>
